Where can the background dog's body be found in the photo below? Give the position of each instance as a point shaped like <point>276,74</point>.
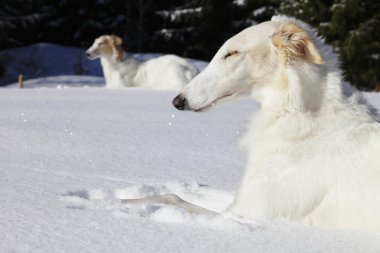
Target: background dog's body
<point>167,72</point>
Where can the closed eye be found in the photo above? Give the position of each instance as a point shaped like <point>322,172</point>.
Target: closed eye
<point>231,53</point>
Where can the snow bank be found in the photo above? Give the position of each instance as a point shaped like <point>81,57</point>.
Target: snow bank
<point>45,60</point>
<point>68,155</point>
<point>61,82</point>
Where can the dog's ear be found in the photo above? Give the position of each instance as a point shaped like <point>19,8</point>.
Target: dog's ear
<point>116,49</point>
<point>296,44</point>
<point>116,40</point>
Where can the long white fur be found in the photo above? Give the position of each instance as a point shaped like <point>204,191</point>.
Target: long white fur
<point>168,72</point>
<point>313,149</point>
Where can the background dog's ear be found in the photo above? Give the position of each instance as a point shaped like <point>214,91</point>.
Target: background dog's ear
<point>117,40</point>
<point>296,44</point>
<point>116,49</point>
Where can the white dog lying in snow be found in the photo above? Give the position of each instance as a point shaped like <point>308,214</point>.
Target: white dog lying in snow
<point>313,148</point>
<point>121,70</point>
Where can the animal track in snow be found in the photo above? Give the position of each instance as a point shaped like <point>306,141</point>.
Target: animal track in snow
<point>84,199</point>
<point>198,194</point>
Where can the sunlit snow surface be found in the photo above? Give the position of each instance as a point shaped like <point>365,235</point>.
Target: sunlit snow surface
<point>70,149</point>
<point>68,155</point>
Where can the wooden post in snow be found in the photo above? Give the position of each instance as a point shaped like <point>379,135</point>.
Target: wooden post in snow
<point>21,81</point>
<point>377,88</point>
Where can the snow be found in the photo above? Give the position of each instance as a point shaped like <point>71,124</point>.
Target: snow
<point>240,2</point>
<point>375,56</point>
<point>68,155</point>
<point>70,150</point>
<point>42,60</point>
<point>64,81</point>
<point>259,11</point>
<point>175,14</point>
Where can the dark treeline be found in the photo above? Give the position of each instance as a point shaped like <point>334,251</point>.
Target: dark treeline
<point>194,28</point>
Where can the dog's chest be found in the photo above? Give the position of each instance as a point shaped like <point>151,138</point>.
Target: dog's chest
<point>283,180</point>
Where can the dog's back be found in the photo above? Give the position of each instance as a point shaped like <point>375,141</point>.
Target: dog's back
<point>165,72</point>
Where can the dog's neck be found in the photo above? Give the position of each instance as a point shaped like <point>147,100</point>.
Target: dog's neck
<point>313,96</point>
<point>300,90</point>
<point>295,88</point>
<point>117,66</point>
<point>115,58</point>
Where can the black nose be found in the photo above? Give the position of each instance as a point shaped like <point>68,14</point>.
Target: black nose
<point>88,54</point>
<point>180,102</point>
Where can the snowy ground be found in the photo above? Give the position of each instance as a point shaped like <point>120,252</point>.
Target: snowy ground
<point>68,155</point>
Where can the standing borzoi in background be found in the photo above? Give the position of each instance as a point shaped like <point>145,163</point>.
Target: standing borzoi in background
<point>314,146</point>
<point>121,70</point>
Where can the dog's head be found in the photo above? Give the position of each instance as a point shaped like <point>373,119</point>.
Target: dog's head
<point>106,46</point>
<point>253,59</point>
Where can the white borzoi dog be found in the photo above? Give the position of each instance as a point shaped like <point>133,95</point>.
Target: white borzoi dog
<point>121,70</point>
<point>314,146</point>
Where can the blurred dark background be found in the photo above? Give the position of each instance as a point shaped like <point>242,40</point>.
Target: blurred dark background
<point>194,28</point>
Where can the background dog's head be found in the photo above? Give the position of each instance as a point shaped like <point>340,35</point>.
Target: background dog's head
<point>256,59</point>
<point>106,46</point>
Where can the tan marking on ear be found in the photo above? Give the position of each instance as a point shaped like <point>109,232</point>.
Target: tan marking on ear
<point>116,48</point>
<point>117,40</point>
<point>295,43</point>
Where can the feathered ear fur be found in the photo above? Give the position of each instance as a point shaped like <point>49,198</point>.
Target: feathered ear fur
<point>116,49</point>
<point>117,40</point>
<point>296,44</point>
